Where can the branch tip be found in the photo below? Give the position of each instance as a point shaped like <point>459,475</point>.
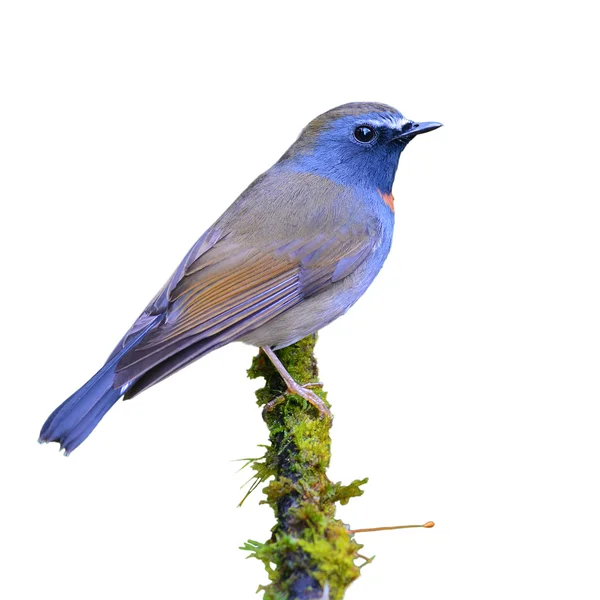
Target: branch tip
<point>427,525</point>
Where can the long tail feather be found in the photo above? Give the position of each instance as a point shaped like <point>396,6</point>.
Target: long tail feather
<point>72,422</point>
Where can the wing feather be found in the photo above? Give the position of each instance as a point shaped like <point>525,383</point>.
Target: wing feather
<point>226,289</point>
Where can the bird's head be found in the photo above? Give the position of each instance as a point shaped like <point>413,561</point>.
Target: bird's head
<point>355,144</point>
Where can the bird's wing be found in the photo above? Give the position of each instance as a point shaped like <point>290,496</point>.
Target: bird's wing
<point>224,288</point>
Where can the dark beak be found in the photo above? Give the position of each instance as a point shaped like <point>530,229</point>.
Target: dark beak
<point>412,129</point>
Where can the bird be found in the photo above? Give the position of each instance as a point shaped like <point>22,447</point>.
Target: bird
<point>292,253</point>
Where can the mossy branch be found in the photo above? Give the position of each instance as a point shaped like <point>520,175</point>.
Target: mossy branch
<point>310,554</point>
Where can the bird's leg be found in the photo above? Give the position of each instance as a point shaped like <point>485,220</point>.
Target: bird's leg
<point>295,388</point>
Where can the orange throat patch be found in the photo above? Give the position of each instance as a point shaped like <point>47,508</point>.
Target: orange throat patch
<point>388,199</point>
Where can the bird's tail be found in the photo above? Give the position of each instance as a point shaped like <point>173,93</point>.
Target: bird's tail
<point>72,422</point>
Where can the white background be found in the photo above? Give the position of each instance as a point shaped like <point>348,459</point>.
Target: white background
<point>465,383</point>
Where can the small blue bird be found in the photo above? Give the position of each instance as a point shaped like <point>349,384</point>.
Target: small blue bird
<point>294,252</point>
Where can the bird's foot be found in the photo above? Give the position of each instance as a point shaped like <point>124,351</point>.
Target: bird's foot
<point>305,392</point>
<point>295,388</point>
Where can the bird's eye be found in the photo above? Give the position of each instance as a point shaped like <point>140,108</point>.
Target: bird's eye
<point>364,134</point>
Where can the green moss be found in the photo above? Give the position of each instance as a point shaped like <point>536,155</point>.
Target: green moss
<point>342,493</point>
<point>310,550</point>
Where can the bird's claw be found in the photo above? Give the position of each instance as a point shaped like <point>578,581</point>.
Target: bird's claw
<point>304,392</point>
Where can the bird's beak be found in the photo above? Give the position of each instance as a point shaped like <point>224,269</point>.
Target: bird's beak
<point>411,129</point>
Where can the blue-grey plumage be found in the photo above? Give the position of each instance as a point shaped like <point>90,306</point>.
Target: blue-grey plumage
<point>295,251</point>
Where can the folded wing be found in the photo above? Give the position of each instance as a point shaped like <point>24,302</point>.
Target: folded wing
<point>223,289</point>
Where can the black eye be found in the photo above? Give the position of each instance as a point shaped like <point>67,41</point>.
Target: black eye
<point>364,134</point>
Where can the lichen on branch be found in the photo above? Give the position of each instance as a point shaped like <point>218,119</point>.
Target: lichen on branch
<point>310,554</point>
